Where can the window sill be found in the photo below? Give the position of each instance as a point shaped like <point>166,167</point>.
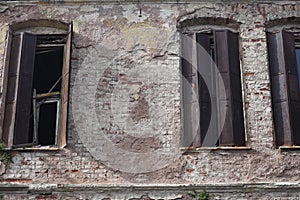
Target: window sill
<point>289,147</point>
<point>198,149</point>
<point>36,148</point>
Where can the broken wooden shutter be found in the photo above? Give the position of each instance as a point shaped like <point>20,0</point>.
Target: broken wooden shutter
<point>236,90</point>
<point>204,66</point>
<point>292,83</point>
<point>284,86</point>
<point>6,137</point>
<point>19,92</point>
<point>227,60</point>
<point>62,138</point>
<point>191,136</point>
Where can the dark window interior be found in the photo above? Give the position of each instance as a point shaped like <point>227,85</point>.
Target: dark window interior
<point>47,123</point>
<point>48,69</point>
<point>46,78</point>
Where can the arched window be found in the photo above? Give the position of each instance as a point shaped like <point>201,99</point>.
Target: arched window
<point>212,92</point>
<point>37,82</point>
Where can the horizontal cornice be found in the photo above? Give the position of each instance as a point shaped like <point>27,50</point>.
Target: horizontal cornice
<point>137,1</point>
<point>291,187</point>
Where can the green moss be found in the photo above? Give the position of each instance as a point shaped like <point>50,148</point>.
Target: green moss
<point>5,156</point>
<point>199,196</point>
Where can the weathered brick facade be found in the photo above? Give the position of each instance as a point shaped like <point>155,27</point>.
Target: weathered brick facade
<point>125,105</point>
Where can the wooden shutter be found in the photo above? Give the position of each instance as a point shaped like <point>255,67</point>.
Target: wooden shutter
<point>292,83</point>
<point>6,138</point>
<point>227,60</point>
<point>284,86</point>
<point>205,69</point>
<point>191,136</point>
<point>62,137</point>
<point>19,92</point>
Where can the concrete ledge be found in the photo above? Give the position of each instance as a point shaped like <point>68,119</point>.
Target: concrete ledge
<point>289,147</point>
<point>13,188</point>
<point>125,1</point>
<point>200,149</point>
<point>291,187</point>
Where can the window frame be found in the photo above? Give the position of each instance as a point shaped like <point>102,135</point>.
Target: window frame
<point>8,134</point>
<point>236,138</point>
<point>285,93</point>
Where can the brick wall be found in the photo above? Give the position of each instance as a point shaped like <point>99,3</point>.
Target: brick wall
<point>124,117</point>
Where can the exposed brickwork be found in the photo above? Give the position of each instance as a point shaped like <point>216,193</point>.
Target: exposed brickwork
<point>125,68</point>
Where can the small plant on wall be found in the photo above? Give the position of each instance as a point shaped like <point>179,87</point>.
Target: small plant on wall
<point>199,195</point>
<point>5,156</point>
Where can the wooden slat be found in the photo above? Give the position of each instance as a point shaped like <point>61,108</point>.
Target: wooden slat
<point>62,138</point>
<point>282,124</point>
<point>191,135</point>
<point>227,60</point>
<point>205,69</point>
<point>293,85</point>
<point>18,93</point>
<point>51,94</point>
<point>294,117</point>
<point>279,90</point>
<point>6,136</point>
<point>24,88</point>
<point>236,90</point>
<point>222,60</point>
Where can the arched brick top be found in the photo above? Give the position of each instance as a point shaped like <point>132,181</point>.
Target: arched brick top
<point>283,22</point>
<point>291,24</point>
<point>182,23</point>
<point>33,23</point>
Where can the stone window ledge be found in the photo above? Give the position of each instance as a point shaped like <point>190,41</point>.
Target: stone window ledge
<point>289,147</point>
<point>37,148</point>
<point>245,187</point>
<point>198,149</point>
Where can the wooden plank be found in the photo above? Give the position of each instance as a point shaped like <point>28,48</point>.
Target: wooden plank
<point>227,59</point>
<point>6,136</point>
<point>205,69</point>
<point>35,118</point>
<point>51,94</point>
<point>24,89</point>
<point>293,86</point>
<point>279,90</point>
<point>190,91</point>
<point>236,90</point>
<point>222,60</point>
<point>62,137</point>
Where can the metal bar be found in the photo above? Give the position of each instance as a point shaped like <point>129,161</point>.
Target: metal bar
<point>55,84</point>
<point>35,120</point>
<point>58,108</point>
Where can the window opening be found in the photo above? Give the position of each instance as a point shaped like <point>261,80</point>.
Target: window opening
<point>223,48</point>
<point>46,96</point>
<point>283,54</point>
<point>46,88</point>
<point>37,82</point>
